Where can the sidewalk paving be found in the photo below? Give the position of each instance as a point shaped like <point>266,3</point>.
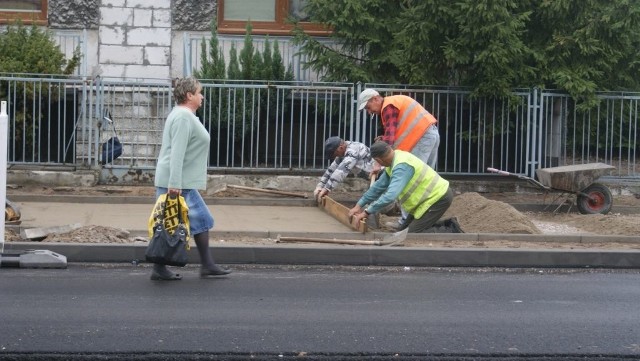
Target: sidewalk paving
<point>253,218</point>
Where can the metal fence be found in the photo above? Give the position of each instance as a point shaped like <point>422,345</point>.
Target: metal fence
<point>275,125</point>
<point>474,133</point>
<point>569,135</point>
<point>44,115</point>
<point>281,127</point>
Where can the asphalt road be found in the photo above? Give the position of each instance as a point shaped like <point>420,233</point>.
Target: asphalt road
<point>320,312</point>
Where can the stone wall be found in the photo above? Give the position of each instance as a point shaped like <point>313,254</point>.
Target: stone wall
<point>74,14</point>
<point>193,15</point>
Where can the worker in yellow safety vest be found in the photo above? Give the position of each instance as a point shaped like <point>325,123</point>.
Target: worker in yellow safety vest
<point>419,189</point>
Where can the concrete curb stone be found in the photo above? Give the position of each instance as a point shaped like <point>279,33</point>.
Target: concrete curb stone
<point>356,255</point>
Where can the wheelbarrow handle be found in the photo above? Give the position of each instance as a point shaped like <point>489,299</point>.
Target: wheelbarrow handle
<point>528,179</point>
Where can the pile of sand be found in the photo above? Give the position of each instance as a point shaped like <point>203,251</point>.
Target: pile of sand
<point>477,214</point>
<point>91,234</point>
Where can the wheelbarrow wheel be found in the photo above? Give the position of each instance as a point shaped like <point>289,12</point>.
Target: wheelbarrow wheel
<point>594,199</point>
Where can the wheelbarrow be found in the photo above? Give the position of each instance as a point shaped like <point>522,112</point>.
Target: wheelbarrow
<point>578,180</point>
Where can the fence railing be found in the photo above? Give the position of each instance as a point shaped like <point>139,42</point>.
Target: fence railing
<point>45,117</point>
<point>474,133</point>
<point>608,133</point>
<point>281,126</point>
<point>276,125</point>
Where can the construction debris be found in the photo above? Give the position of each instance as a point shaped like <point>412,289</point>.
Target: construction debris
<point>11,212</point>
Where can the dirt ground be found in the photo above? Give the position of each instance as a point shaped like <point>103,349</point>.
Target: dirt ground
<point>476,213</point>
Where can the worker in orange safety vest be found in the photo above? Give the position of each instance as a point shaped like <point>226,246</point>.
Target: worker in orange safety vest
<point>408,126</point>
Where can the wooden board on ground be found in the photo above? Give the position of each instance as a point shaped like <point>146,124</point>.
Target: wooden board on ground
<point>292,194</point>
<point>341,213</point>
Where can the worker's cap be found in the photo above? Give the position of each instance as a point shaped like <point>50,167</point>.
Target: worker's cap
<point>379,149</point>
<point>330,146</point>
<point>365,96</point>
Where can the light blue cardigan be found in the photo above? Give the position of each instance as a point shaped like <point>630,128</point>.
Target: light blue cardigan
<point>182,163</point>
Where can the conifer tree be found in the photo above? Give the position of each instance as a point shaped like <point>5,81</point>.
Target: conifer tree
<point>246,54</point>
<point>212,61</point>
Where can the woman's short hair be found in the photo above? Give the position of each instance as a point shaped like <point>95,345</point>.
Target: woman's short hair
<point>182,86</point>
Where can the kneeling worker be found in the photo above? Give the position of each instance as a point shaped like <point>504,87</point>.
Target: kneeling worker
<point>420,190</point>
<point>349,157</point>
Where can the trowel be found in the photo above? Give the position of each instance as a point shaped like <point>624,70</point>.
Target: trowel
<point>394,239</point>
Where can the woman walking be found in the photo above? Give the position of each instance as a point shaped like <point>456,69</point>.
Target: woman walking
<point>182,170</point>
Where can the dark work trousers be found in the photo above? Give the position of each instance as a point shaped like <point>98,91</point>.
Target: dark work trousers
<point>431,216</point>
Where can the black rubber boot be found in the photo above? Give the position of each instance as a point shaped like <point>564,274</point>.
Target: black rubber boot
<point>161,273</point>
<point>455,226</point>
<point>208,267</point>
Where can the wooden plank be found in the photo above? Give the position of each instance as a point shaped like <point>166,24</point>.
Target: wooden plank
<point>341,213</point>
<point>292,194</point>
<point>327,240</point>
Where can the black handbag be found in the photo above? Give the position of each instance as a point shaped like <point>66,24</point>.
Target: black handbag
<point>112,148</point>
<point>165,248</point>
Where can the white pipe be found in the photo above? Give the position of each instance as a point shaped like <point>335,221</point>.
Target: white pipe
<point>4,123</point>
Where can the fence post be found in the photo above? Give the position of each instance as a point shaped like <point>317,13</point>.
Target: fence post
<point>357,133</point>
<point>4,124</point>
<point>186,46</point>
<point>532,138</point>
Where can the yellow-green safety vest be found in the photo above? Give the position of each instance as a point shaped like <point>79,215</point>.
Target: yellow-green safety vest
<point>425,187</point>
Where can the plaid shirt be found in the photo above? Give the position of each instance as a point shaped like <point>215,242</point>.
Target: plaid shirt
<point>357,158</point>
<point>390,120</point>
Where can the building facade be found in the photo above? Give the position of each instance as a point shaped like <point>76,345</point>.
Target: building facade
<point>130,38</point>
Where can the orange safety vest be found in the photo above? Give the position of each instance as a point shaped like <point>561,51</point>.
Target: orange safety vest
<point>413,121</point>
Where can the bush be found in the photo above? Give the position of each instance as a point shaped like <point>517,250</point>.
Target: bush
<point>32,51</point>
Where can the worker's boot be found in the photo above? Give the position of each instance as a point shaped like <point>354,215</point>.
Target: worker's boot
<point>453,225</point>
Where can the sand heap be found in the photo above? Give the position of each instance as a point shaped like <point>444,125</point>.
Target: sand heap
<point>91,234</point>
<point>477,214</point>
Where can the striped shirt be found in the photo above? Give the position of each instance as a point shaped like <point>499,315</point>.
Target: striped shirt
<point>357,158</point>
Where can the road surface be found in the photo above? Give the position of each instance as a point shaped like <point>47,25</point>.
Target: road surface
<point>321,312</point>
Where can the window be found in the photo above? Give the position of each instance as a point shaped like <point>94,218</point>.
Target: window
<point>266,16</point>
<point>29,11</point>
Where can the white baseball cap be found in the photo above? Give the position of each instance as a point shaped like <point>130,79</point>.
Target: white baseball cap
<point>365,96</point>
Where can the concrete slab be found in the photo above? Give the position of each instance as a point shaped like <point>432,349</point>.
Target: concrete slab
<point>134,217</point>
<point>41,232</point>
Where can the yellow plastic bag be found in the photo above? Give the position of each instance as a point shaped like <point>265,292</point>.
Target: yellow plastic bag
<point>170,217</point>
